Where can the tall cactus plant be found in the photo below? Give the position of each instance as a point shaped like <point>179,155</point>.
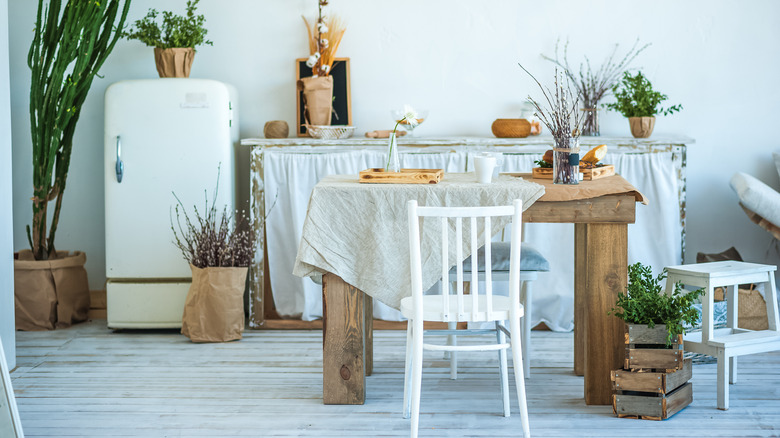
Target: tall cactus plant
<point>71,43</point>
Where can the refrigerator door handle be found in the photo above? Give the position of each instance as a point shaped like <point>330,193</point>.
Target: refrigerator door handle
<point>120,165</point>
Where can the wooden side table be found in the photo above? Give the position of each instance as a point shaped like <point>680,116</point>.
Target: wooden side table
<point>729,342</point>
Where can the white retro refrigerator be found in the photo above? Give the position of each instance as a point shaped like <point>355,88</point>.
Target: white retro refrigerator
<point>162,136</point>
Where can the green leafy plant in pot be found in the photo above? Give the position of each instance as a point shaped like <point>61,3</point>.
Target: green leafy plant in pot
<point>646,303</point>
<point>219,252</point>
<point>71,41</point>
<point>636,100</point>
<point>174,41</point>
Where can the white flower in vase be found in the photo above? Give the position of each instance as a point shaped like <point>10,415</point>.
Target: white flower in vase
<point>410,117</point>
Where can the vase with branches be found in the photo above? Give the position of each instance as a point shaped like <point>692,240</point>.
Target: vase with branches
<point>592,85</point>
<point>564,121</point>
<point>71,41</point>
<point>324,39</point>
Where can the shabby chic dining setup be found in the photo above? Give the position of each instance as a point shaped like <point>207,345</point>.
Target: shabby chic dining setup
<point>427,250</point>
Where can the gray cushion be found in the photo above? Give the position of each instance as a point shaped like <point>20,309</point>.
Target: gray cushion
<point>530,258</point>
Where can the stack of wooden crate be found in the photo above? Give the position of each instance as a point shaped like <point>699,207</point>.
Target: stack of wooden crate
<point>653,384</point>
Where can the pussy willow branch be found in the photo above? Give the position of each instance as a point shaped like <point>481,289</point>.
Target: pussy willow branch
<point>561,116</point>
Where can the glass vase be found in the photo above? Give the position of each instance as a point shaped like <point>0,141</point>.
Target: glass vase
<point>590,123</point>
<point>566,161</point>
<point>393,163</point>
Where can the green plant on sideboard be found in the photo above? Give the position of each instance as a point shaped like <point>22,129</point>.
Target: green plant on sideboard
<point>71,41</point>
<point>176,31</point>
<point>645,302</point>
<point>635,97</point>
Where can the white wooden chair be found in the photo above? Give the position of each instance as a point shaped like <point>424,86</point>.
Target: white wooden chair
<point>476,307</point>
<point>726,344</point>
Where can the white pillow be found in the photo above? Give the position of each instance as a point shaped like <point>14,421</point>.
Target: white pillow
<point>757,196</point>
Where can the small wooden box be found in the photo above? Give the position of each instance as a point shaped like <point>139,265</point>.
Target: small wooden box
<point>652,406</point>
<point>587,174</point>
<point>646,349</point>
<point>405,176</point>
<point>651,382</point>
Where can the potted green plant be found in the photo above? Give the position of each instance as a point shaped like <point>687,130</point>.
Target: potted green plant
<point>71,41</point>
<point>174,43</point>
<point>219,253</point>
<point>636,100</point>
<point>646,303</point>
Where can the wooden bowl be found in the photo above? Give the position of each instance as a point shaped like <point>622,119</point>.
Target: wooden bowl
<point>511,128</point>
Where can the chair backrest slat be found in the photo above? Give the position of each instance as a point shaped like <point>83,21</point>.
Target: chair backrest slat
<point>459,263</point>
<point>488,270</point>
<point>445,268</point>
<point>474,267</point>
<point>444,214</point>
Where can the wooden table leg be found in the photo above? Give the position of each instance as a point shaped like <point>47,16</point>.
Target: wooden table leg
<point>369,333</point>
<point>343,342</point>
<point>603,273</point>
<point>580,290</point>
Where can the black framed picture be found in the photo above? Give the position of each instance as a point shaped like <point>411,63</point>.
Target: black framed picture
<point>342,103</point>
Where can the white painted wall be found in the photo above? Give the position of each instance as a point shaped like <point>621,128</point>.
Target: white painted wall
<point>7,330</point>
<point>458,59</point>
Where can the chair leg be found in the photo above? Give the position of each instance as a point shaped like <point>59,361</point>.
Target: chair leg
<point>502,369</point>
<point>733,370</point>
<point>517,363</point>
<point>407,371</point>
<point>527,297</point>
<point>417,362</point>
<point>723,386</point>
<point>453,340</point>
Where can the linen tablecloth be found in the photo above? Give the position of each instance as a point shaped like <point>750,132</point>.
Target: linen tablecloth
<point>360,231</point>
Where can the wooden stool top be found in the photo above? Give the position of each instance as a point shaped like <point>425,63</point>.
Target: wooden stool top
<point>720,269</point>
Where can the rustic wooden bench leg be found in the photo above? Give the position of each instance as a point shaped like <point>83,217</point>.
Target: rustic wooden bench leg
<point>602,272</point>
<point>343,342</point>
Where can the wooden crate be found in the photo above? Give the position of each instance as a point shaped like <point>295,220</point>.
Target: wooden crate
<point>646,349</point>
<point>587,174</point>
<point>652,406</point>
<point>405,176</point>
<point>651,382</point>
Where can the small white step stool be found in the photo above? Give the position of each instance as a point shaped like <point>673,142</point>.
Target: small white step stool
<point>727,343</point>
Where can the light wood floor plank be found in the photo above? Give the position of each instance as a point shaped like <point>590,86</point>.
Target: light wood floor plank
<point>88,381</point>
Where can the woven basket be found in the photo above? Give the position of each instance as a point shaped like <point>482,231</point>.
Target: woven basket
<point>511,128</point>
<point>336,132</point>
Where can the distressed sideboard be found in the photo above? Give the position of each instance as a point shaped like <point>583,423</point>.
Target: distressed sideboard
<point>283,172</point>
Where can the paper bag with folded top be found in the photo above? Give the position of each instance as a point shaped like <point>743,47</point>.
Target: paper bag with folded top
<point>214,308</point>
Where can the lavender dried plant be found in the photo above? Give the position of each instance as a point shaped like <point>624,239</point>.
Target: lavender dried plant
<point>210,239</point>
<point>592,85</point>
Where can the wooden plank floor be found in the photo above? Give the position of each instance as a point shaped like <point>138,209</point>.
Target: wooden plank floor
<point>90,381</point>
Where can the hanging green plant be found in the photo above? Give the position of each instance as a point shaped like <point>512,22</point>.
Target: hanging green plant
<point>70,44</point>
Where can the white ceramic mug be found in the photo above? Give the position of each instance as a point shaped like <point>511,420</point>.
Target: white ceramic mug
<point>483,166</point>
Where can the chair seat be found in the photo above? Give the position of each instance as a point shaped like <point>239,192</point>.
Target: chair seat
<point>530,258</point>
<point>433,309</point>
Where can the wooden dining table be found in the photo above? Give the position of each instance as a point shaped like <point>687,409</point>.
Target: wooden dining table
<point>600,211</point>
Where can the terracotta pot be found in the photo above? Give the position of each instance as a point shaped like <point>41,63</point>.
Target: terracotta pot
<point>174,63</point>
<point>641,127</point>
<point>511,128</point>
<point>50,293</point>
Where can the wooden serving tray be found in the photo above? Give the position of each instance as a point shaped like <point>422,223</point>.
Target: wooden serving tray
<point>405,176</point>
<point>587,174</point>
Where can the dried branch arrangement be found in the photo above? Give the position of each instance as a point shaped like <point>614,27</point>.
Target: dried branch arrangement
<point>592,85</point>
<point>564,120</point>
<point>324,40</point>
<point>211,239</point>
